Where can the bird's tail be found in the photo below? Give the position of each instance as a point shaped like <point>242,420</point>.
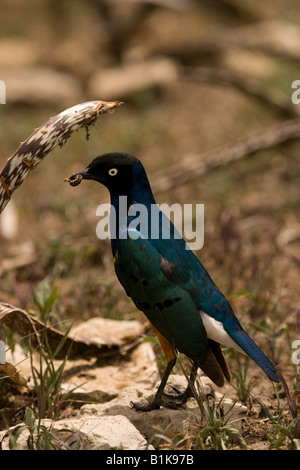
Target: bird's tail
<point>217,352</point>
<point>251,348</point>
<point>215,366</point>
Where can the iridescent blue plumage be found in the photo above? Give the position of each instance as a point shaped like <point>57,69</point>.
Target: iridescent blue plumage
<point>166,280</point>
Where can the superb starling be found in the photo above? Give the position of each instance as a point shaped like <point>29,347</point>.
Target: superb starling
<point>166,280</point>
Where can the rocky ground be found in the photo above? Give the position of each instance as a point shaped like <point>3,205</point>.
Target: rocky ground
<point>99,414</point>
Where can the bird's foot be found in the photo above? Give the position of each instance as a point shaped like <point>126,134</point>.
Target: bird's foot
<point>156,404</point>
<point>177,394</point>
<point>174,405</point>
<point>181,396</point>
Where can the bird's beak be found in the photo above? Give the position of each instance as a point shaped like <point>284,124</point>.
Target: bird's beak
<point>76,179</point>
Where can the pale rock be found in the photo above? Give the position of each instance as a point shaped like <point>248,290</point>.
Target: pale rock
<point>114,330</point>
<point>40,85</point>
<point>133,77</point>
<point>88,433</point>
<point>104,380</point>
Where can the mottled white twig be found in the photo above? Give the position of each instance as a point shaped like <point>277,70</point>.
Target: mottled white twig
<point>54,132</point>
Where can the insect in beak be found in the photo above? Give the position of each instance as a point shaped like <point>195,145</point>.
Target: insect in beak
<point>74,180</point>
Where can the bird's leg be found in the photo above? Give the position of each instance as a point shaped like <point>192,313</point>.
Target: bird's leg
<point>158,402</point>
<point>188,392</point>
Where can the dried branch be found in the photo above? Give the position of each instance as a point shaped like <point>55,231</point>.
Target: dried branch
<point>54,132</point>
<point>265,37</point>
<point>192,166</point>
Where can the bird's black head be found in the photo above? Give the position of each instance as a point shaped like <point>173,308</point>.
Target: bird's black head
<point>116,171</point>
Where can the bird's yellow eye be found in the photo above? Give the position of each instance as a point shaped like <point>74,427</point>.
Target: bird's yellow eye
<point>112,172</point>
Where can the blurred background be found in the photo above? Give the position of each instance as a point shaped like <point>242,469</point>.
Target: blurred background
<point>195,77</point>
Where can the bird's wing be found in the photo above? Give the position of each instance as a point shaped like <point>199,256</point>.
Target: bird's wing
<point>167,305</point>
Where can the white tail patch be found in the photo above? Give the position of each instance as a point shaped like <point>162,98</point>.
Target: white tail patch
<point>215,330</point>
